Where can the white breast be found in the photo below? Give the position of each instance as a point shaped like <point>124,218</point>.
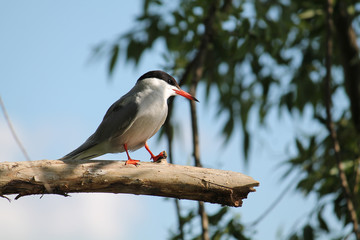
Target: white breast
<point>151,116</point>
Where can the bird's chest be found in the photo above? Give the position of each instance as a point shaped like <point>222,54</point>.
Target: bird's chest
<point>152,113</point>
<point>151,116</point>
<point>152,104</point>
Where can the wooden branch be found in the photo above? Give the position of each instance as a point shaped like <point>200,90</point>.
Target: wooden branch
<point>158,179</point>
<point>329,120</point>
<point>348,48</point>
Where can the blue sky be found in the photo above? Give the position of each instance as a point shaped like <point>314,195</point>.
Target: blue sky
<point>56,97</point>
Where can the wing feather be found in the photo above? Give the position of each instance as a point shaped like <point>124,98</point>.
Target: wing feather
<point>118,118</point>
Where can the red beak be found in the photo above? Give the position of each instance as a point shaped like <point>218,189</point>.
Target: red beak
<point>185,94</point>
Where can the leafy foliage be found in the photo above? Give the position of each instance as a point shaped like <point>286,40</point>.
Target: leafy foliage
<point>262,55</point>
<point>221,226</point>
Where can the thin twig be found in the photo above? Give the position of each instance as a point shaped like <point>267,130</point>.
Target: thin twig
<point>198,65</point>
<point>198,72</point>
<point>204,221</point>
<point>330,123</point>
<point>12,130</point>
<point>168,132</point>
<point>196,69</point>
<point>357,176</point>
<point>17,140</point>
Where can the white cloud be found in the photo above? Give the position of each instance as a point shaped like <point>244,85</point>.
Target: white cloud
<point>85,216</point>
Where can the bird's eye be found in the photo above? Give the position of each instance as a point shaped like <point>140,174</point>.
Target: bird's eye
<point>169,81</point>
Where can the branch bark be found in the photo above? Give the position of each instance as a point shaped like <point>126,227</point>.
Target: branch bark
<point>199,65</point>
<point>329,121</point>
<point>158,179</point>
<point>349,52</point>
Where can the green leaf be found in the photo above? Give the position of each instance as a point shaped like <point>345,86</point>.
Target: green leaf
<point>311,13</point>
<point>246,144</point>
<point>228,128</point>
<point>308,232</point>
<point>216,218</point>
<point>113,59</point>
<point>299,146</point>
<point>322,222</point>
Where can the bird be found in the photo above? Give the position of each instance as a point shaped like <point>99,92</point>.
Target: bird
<point>133,119</point>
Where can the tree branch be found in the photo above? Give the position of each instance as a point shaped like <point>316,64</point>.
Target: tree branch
<point>12,130</point>
<point>349,52</point>
<point>330,124</point>
<point>158,179</point>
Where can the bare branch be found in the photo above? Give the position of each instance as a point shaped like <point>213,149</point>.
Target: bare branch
<point>330,124</point>
<point>349,51</point>
<point>199,64</point>
<point>158,179</point>
<point>12,130</point>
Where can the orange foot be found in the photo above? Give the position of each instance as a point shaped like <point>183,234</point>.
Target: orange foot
<point>131,161</point>
<point>161,155</point>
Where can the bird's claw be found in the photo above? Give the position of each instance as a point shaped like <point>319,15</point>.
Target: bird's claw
<point>131,161</point>
<point>161,155</point>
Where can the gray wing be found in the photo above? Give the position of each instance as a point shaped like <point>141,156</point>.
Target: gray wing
<point>118,118</point>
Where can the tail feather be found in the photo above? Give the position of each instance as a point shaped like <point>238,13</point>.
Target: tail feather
<point>84,152</point>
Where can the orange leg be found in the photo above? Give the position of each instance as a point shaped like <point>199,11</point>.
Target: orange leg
<point>153,157</point>
<point>129,161</point>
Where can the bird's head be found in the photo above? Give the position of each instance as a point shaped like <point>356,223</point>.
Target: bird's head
<point>161,81</point>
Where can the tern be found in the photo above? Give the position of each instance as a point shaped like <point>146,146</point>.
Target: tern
<point>133,119</point>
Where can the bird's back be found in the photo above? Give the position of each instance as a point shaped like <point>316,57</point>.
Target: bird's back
<point>131,120</point>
